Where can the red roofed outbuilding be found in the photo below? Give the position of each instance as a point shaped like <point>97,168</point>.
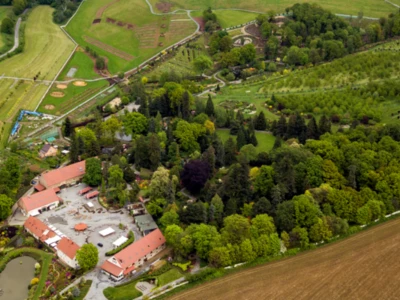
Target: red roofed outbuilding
<point>37,203</point>
<point>133,256</point>
<point>66,251</point>
<point>64,176</point>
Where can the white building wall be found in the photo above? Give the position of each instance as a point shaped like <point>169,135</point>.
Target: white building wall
<point>70,262</point>
<point>50,206</point>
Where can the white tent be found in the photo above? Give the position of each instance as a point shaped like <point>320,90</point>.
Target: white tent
<point>107,231</point>
<point>120,241</point>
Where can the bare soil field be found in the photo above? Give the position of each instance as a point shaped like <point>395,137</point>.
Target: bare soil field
<point>79,83</point>
<point>164,6</point>
<point>364,266</point>
<point>201,22</point>
<point>109,48</point>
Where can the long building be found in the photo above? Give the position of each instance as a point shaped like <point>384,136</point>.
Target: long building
<point>37,203</point>
<point>62,177</point>
<point>127,260</point>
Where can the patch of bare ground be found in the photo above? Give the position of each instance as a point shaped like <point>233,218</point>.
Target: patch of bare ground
<point>364,266</point>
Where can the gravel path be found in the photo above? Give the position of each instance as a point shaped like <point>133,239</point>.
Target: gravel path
<point>16,38</point>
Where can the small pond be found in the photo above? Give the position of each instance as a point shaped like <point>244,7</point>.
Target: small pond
<point>15,278</point>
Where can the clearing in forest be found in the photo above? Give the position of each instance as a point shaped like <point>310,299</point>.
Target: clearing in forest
<point>370,8</point>
<point>364,266</point>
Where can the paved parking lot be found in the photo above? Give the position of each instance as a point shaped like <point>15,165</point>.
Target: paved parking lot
<point>64,218</point>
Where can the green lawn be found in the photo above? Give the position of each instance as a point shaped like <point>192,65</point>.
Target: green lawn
<point>74,95</point>
<point>141,43</point>
<point>371,8</point>
<point>265,140</point>
<point>229,18</point>
<point>84,290</point>
<point>83,63</point>
<point>168,277</point>
<point>124,292</point>
<point>4,11</point>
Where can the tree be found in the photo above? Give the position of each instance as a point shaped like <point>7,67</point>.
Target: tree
<point>324,125</point>
<point>262,206</point>
<point>100,63</point>
<point>205,237</point>
<point>194,213</point>
<point>67,128</point>
<point>264,181</point>
<point>154,152</point>
<point>187,134</point>
<point>320,231</point>
<point>135,123</point>
<point>236,229</point>
<point>202,63</point>
<point>210,107</point>
<point>241,138</point>
<point>262,224</point>
<point>285,216</point>
<point>7,26</point>
<point>306,211</point>
<point>87,257</point>
<point>225,44</point>
<point>260,123</point>
<point>312,129</point>
<point>93,173</point>
<point>218,205</point>
<point>5,206</point>
<point>169,218</point>
<point>19,6</point>
<point>115,176</point>
<point>237,184</point>
<point>74,149</point>
<point>194,175</point>
<point>159,183</point>
<point>219,257</point>
<point>230,152</point>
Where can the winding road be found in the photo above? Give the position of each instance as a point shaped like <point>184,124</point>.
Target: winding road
<point>16,38</point>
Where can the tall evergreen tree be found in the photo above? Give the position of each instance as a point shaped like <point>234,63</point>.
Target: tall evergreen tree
<point>253,140</point>
<point>74,149</point>
<point>185,106</point>
<point>237,184</point>
<point>241,138</point>
<point>209,157</point>
<point>210,107</point>
<point>144,107</point>
<point>281,127</point>
<point>240,117</point>
<point>324,125</point>
<point>230,152</point>
<point>219,151</point>
<point>154,152</point>
<point>67,127</point>
<point>261,123</point>
<point>312,129</point>
<point>277,143</point>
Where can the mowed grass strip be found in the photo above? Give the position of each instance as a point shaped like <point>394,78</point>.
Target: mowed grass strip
<point>46,48</point>
<point>229,18</point>
<point>364,266</point>
<point>265,140</point>
<point>124,292</point>
<point>370,8</point>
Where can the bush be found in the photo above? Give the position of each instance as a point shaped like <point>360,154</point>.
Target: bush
<point>75,291</point>
<point>131,239</point>
<point>230,77</point>
<point>34,281</point>
<point>183,266</point>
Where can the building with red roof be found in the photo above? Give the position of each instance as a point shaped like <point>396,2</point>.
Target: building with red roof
<point>133,256</point>
<point>62,177</point>
<point>66,251</point>
<point>38,229</point>
<point>37,203</point>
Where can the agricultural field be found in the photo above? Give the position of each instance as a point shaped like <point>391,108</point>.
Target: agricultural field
<point>4,11</point>
<point>229,18</point>
<point>370,8</point>
<point>265,140</point>
<point>363,266</point>
<point>46,50</point>
<point>103,25</point>
<point>62,98</point>
<point>83,65</point>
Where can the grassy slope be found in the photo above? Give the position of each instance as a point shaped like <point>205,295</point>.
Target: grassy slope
<point>229,18</point>
<point>125,292</point>
<point>4,10</point>
<point>136,12</point>
<point>371,8</point>
<point>46,50</point>
<point>83,63</point>
<point>265,141</point>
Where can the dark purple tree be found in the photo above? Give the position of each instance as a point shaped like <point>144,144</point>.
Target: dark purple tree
<point>194,175</point>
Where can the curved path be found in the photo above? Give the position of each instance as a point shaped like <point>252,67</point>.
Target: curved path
<point>216,78</point>
<point>16,38</point>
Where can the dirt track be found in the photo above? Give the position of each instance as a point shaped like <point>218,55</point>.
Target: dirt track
<point>365,266</point>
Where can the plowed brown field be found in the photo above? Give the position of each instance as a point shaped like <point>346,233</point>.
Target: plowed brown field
<point>364,266</point>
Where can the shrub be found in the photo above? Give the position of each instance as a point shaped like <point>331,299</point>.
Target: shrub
<point>76,291</point>
<point>230,77</point>
<point>183,266</point>
<point>34,281</point>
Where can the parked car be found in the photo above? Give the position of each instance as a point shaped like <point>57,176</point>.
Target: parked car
<point>100,244</point>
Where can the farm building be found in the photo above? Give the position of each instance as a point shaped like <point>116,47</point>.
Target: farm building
<point>38,229</point>
<point>62,177</point>
<point>145,224</point>
<point>133,256</point>
<point>66,251</point>
<point>47,151</point>
<point>35,204</point>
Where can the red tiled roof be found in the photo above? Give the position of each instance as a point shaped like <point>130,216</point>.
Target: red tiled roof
<point>39,187</point>
<point>137,250</point>
<point>56,189</point>
<point>92,194</point>
<point>85,190</point>
<point>40,199</point>
<point>58,176</point>
<point>68,247</point>
<point>38,228</point>
<point>111,268</point>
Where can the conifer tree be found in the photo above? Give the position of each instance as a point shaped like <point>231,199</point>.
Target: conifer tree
<point>241,138</point>
<point>281,127</point>
<point>230,152</point>
<point>210,107</point>
<point>324,125</point>
<point>261,123</point>
<point>312,129</point>
<point>67,127</point>
<point>185,106</point>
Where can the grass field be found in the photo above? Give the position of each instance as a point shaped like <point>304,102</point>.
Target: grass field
<point>229,18</point>
<point>363,266</point>
<point>4,10</point>
<point>46,50</point>
<point>126,48</point>
<point>265,140</point>
<point>84,65</point>
<point>74,95</point>
<point>125,292</point>
<point>371,8</point>
<point>168,277</point>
